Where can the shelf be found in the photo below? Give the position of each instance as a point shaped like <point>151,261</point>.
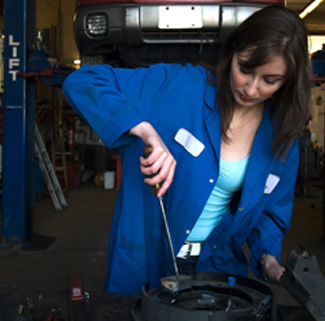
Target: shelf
<point>319,78</point>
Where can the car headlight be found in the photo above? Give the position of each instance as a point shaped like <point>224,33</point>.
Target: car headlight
<point>97,24</point>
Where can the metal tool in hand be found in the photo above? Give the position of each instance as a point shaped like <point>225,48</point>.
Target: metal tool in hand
<point>155,189</point>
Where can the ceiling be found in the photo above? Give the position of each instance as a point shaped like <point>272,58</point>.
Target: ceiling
<point>315,21</point>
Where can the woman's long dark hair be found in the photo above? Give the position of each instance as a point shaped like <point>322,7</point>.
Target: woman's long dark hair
<point>273,30</point>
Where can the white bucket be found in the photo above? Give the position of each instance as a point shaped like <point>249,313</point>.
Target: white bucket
<point>109,180</point>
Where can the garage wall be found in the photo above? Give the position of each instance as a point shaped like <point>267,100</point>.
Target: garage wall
<point>47,13</point>
<point>317,122</point>
<point>54,23</point>
<point>69,49</point>
<point>54,18</point>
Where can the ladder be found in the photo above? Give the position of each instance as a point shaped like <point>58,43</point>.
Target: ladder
<point>48,172</point>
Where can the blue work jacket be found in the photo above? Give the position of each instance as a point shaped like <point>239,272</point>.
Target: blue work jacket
<point>171,97</point>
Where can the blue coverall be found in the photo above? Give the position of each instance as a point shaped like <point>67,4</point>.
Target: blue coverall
<point>170,97</point>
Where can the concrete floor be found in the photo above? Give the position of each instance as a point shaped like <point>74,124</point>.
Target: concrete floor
<point>81,234</point>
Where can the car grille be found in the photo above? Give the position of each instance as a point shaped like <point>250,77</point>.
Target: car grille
<point>188,36</point>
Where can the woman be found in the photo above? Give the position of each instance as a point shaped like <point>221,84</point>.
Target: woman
<point>233,138</point>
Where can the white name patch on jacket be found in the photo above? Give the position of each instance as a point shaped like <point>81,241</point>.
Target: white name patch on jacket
<point>271,182</point>
<point>189,142</point>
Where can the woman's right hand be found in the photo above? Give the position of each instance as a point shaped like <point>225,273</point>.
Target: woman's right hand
<point>160,161</point>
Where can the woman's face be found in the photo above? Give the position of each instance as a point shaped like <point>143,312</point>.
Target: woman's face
<point>251,87</point>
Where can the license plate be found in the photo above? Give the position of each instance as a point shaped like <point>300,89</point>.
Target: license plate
<point>180,17</point>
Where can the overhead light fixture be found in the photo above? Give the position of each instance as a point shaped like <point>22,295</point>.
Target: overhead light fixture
<point>77,61</point>
<point>311,7</point>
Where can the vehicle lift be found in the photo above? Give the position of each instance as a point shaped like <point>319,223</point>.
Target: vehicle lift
<point>19,102</point>
<point>23,61</point>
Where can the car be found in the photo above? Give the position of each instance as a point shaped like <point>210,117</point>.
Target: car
<point>142,32</point>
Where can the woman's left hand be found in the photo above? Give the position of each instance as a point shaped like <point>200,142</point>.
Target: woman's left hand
<point>272,269</point>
